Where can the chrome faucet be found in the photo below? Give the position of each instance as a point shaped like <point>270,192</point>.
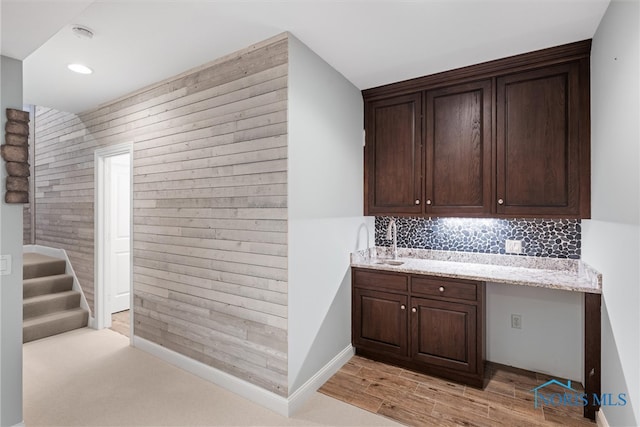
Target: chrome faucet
<point>392,234</point>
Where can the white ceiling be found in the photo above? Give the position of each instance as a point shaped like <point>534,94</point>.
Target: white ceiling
<point>140,42</point>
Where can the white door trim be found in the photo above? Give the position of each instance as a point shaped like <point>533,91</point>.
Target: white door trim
<point>102,315</point>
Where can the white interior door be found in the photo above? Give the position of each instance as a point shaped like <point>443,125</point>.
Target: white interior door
<point>118,229</point>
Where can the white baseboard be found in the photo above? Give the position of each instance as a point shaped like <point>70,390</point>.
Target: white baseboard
<point>278,404</point>
<point>304,393</point>
<point>269,400</point>
<point>601,421</point>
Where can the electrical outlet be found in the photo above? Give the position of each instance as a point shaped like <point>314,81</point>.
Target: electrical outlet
<point>5,265</point>
<point>516,321</point>
<point>513,246</point>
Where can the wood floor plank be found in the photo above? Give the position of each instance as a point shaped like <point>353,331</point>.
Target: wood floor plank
<point>450,386</point>
<point>366,402</point>
<point>350,368</point>
<point>520,378</point>
<point>342,386</point>
<point>462,405</point>
<point>437,392</point>
<point>361,361</point>
<point>409,418</point>
<point>512,418</point>
<point>391,380</point>
<point>559,416</point>
<point>455,414</point>
<point>500,387</point>
<point>401,398</point>
<point>521,406</point>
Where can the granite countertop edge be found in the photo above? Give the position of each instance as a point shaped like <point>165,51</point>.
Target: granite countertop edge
<point>551,273</point>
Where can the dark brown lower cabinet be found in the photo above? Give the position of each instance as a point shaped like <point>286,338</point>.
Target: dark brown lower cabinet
<point>432,325</point>
<point>382,321</point>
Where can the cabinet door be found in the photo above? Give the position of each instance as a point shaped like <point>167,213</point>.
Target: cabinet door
<point>458,150</point>
<point>538,156</point>
<point>380,321</point>
<point>393,155</point>
<point>444,334</point>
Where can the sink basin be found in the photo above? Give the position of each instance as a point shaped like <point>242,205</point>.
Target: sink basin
<point>390,262</point>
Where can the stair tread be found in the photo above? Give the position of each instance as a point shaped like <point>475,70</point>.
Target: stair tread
<point>48,297</point>
<point>47,325</point>
<point>46,285</point>
<point>31,258</point>
<point>46,278</point>
<point>38,320</point>
<point>38,265</point>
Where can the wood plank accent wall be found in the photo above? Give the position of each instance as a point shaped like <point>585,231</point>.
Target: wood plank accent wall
<point>210,207</point>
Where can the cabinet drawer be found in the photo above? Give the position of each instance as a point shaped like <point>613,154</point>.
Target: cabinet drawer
<point>380,281</point>
<point>448,288</point>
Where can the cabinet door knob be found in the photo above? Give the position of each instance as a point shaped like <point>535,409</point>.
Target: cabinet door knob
<point>441,288</point>
<point>428,201</point>
<point>413,310</point>
<point>402,307</point>
<point>417,201</point>
<point>500,202</point>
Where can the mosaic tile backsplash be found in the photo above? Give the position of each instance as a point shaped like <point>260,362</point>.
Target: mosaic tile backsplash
<point>540,237</point>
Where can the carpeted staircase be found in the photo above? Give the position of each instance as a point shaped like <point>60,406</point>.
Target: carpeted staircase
<point>50,306</point>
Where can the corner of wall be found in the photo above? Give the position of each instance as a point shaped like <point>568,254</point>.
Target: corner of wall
<point>11,284</point>
<point>611,239</point>
<point>324,211</point>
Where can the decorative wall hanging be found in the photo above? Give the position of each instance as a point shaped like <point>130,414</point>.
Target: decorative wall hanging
<point>15,152</point>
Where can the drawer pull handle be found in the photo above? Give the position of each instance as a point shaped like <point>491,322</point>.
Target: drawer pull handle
<point>402,307</point>
<point>441,288</point>
<point>413,310</point>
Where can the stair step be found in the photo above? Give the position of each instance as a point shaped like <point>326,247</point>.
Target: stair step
<point>49,303</point>
<point>38,265</point>
<point>39,327</point>
<point>47,285</point>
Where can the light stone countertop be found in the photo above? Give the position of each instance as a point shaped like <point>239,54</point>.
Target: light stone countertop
<point>552,273</point>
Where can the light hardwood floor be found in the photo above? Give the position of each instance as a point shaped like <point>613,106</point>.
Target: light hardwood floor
<point>420,400</point>
<point>120,322</point>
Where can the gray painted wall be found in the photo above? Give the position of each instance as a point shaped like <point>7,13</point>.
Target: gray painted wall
<point>611,240</point>
<point>325,209</point>
<point>10,285</point>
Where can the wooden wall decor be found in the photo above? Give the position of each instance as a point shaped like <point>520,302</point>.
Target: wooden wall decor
<point>15,152</point>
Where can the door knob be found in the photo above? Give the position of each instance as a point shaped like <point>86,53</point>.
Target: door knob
<point>441,288</point>
<point>428,201</point>
<point>417,201</point>
<point>413,310</point>
<point>402,307</point>
<point>500,202</point>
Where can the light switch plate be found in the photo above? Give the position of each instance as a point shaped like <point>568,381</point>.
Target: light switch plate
<point>513,246</point>
<point>5,265</point>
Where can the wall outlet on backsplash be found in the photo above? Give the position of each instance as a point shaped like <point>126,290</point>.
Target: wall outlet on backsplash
<point>513,246</point>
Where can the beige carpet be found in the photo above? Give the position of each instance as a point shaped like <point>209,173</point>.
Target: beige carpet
<point>89,378</point>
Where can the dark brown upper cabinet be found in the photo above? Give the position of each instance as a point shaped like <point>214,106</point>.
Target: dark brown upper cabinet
<point>538,142</point>
<point>393,170</point>
<point>506,138</point>
<point>458,150</point>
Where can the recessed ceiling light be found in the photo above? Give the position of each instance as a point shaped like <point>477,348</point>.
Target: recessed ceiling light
<point>79,68</point>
